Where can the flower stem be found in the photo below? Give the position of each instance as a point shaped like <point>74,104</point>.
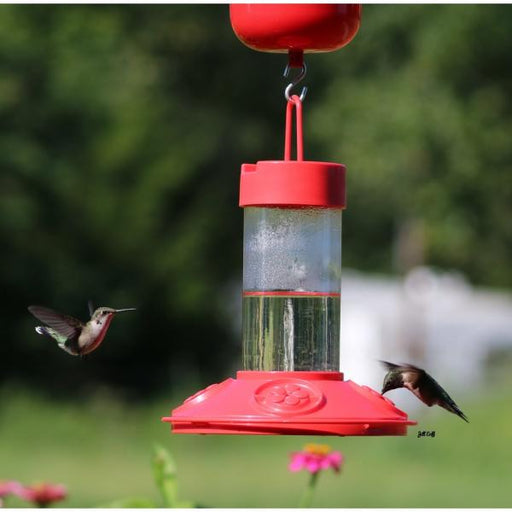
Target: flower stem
<point>307,496</point>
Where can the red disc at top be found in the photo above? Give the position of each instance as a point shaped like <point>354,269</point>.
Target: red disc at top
<point>299,27</point>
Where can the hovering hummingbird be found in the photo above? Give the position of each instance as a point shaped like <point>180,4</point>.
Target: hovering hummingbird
<point>420,383</point>
<point>71,334</point>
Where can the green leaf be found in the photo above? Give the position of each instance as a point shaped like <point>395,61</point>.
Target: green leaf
<point>164,472</point>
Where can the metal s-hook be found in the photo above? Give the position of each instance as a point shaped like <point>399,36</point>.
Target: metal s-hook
<point>293,101</point>
<point>293,83</point>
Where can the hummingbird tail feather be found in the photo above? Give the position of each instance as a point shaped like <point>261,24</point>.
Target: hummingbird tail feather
<point>51,333</point>
<point>459,413</point>
<point>451,406</point>
<point>42,330</point>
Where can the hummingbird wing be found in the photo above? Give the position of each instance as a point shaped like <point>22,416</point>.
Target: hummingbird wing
<point>390,366</point>
<point>91,307</point>
<point>65,325</point>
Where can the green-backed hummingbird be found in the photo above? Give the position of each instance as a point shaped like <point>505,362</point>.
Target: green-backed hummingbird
<point>72,335</point>
<point>421,384</point>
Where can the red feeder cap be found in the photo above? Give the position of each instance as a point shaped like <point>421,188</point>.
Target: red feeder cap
<point>290,183</point>
<point>304,27</point>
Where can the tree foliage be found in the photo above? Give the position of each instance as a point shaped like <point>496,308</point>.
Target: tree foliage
<point>122,131</point>
<point>420,110</point>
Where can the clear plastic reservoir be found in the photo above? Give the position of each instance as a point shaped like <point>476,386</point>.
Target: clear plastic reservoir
<point>291,289</point>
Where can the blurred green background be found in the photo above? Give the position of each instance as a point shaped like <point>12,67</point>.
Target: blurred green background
<point>122,132</point>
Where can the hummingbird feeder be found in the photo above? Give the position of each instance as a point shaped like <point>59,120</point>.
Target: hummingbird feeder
<point>291,300</point>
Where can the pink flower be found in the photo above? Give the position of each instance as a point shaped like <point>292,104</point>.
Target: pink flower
<point>43,494</point>
<point>9,487</point>
<point>316,457</point>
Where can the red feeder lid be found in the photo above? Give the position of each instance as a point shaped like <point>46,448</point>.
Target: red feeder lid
<point>300,403</point>
<point>289,183</point>
<point>304,27</point>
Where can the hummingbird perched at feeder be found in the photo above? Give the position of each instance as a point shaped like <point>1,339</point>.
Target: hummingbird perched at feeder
<point>72,335</point>
<point>421,384</point>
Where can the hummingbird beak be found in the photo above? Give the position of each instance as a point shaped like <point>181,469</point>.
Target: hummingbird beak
<point>125,309</point>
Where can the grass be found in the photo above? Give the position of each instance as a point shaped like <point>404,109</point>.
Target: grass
<point>101,451</point>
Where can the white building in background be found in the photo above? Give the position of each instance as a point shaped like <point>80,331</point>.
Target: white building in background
<point>434,320</point>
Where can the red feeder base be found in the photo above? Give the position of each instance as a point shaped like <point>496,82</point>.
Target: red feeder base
<point>300,403</point>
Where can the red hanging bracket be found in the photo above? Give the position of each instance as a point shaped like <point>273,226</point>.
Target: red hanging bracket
<point>293,183</point>
<point>297,103</point>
